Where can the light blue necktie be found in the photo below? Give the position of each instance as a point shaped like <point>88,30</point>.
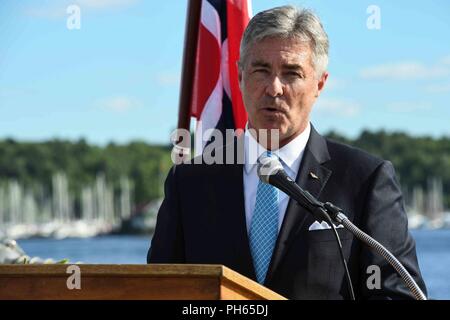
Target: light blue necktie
<point>264,228</point>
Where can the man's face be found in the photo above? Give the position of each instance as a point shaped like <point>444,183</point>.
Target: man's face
<point>279,86</point>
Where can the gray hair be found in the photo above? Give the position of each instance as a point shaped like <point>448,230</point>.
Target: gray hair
<point>288,22</point>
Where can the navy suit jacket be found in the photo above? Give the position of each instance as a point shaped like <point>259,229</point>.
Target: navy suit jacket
<point>202,220</point>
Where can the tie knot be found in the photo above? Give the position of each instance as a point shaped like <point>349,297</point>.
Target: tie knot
<point>267,154</point>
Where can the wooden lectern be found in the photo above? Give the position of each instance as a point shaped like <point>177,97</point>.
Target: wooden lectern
<point>111,282</point>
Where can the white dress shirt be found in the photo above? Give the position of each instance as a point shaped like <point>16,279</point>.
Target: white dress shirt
<point>290,157</point>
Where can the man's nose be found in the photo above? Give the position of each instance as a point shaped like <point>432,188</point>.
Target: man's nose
<point>274,87</point>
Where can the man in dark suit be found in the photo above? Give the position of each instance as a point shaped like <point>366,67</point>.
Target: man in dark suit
<point>222,214</point>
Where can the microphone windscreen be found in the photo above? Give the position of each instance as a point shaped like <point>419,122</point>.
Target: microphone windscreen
<point>268,166</point>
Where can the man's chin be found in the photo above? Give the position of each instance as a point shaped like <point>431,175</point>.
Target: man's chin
<point>269,125</point>
<point>269,134</point>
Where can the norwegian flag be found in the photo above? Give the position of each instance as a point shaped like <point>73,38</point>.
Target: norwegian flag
<point>216,98</point>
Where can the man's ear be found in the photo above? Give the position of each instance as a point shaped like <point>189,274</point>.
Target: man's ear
<point>321,83</point>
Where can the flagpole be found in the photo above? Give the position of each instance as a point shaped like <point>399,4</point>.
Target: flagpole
<point>188,67</point>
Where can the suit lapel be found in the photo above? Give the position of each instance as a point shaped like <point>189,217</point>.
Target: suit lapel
<point>312,176</point>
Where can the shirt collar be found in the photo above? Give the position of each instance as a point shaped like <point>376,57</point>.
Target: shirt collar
<point>289,154</point>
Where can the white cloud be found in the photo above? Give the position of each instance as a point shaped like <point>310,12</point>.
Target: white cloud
<point>446,60</point>
<point>408,106</point>
<point>57,10</point>
<point>13,92</point>
<point>438,88</point>
<point>168,78</point>
<point>103,4</point>
<point>406,70</point>
<point>52,13</point>
<point>335,83</point>
<point>118,104</point>
<point>338,107</point>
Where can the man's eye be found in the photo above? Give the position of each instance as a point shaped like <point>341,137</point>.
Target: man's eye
<point>294,74</point>
<point>260,71</point>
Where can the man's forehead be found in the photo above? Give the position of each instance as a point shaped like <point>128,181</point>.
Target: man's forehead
<point>277,56</point>
<point>289,51</point>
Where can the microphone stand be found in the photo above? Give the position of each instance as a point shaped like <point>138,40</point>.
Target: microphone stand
<point>327,211</point>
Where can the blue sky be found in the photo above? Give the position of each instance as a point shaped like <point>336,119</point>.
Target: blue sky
<point>117,77</point>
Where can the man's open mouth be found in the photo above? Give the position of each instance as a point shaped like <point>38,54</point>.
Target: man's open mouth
<point>273,110</point>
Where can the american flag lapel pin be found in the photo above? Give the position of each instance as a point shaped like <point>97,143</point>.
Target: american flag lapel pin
<point>313,175</point>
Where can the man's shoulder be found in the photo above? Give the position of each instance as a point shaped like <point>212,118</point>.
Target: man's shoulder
<point>214,160</point>
<point>356,159</point>
<point>199,167</point>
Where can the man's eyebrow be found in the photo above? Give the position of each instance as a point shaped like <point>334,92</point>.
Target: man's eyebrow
<point>260,63</point>
<point>288,66</point>
<point>293,66</point>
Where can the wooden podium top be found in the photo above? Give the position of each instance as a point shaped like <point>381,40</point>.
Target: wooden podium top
<point>153,281</point>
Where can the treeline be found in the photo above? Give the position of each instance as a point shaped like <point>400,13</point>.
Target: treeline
<point>417,160</point>
<point>34,165</point>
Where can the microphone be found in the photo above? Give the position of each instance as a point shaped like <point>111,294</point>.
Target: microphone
<point>270,170</point>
